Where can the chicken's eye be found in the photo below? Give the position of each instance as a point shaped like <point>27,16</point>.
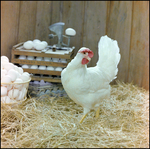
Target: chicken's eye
<point>83,52</point>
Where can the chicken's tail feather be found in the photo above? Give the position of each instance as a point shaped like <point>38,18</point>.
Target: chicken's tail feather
<point>109,57</point>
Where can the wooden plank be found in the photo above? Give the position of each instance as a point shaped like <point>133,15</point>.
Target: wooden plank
<point>46,72</point>
<point>9,26</point>
<point>43,20</point>
<point>27,21</point>
<point>47,79</point>
<point>139,54</point>
<point>94,26</point>
<point>55,17</point>
<point>73,17</point>
<point>18,52</point>
<point>119,28</point>
<point>34,62</point>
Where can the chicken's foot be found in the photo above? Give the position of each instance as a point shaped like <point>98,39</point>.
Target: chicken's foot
<point>97,112</point>
<point>83,117</point>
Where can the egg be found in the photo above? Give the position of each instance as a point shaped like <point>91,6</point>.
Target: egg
<point>18,85</point>
<point>35,41</point>
<point>25,77</point>
<point>42,67</point>
<point>24,91</point>
<point>22,57</point>
<point>55,59</point>
<point>20,70</point>
<point>34,67</point>
<point>47,59</point>
<point>3,91</point>
<point>39,58</point>
<point>6,79</point>
<point>39,46</point>
<point>58,69</point>
<point>28,45</point>
<point>13,74</point>
<point>63,61</point>
<point>70,32</point>
<point>30,57</point>
<point>8,66</point>
<point>45,43</point>
<point>4,59</point>
<point>5,99</point>
<point>50,68</point>
<point>25,66</point>
<point>14,93</point>
<point>20,97</point>
<point>3,72</point>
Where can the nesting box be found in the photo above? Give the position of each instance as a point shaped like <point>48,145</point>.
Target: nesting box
<point>46,75</point>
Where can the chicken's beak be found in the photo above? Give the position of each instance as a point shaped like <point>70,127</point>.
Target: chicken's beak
<point>87,57</point>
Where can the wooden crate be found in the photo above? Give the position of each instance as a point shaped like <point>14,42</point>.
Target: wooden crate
<point>18,50</point>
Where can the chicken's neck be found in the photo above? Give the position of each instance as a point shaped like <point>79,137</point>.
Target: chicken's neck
<point>76,64</point>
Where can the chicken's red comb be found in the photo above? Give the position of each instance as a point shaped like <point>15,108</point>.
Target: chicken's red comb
<point>90,53</point>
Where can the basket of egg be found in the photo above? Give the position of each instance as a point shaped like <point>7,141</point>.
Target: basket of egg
<point>14,82</point>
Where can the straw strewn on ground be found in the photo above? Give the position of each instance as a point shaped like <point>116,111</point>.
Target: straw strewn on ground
<point>49,122</point>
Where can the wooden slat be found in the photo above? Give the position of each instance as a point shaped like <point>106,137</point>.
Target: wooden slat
<point>27,21</point>
<point>9,26</point>
<point>34,62</point>
<point>43,20</point>
<point>55,17</point>
<point>18,52</point>
<point>73,17</point>
<point>139,55</point>
<point>46,72</point>
<point>119,28</point>
<point>94,26</point>
<point>47,79</point>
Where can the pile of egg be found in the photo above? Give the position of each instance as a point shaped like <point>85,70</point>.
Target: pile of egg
<point>35,44</point>
<point>14,82</point>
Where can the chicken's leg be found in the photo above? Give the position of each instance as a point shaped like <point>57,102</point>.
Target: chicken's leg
<point>83,117</point>
<point>97,112</point>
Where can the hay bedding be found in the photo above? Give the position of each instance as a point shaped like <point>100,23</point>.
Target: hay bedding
<point>51,123</point>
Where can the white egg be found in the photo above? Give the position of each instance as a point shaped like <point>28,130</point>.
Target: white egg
<point>45,43</point>
<point>63,61</point>
<point>18,85</point>
<point>39,46</point>
<point>4,59</point>
<point>20,97</point>
<point>6,79</point>
<point>34,67</point>
<point>5,99</point>
<point>55,59</point>
<point>13,74</point>
<point>42,67</point>
<point>25,77</point>
<point>3,72</point>
<point>22,57</point>
<point>47,59</point>
<point>8,66</point>
<point>35,41</point>
<point>24,91</point>
<point>14,93</point>
<point>58,69</point>
<point>28,45</point>
<point>20,70</point>
<point>50,68</point>
<point>70,32</point>
<point>39,58</point>
<point>3,91</point>
<point>26,73</point>
<point>30,57</point>
<point>25,66</point>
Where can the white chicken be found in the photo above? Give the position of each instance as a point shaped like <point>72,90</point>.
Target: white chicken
<point>89,86</point>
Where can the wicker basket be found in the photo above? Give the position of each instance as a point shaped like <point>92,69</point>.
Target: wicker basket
<point>16,92</point>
